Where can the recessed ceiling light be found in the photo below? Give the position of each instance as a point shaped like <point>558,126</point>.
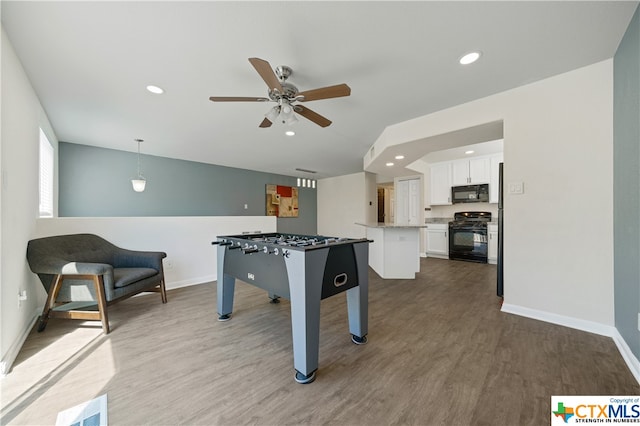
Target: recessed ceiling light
<point>389,164</point>
<point>399,157</point>
<point>155,89</point>
<point>469,152</point>
<point>470,58</point>
<point>290,133</point>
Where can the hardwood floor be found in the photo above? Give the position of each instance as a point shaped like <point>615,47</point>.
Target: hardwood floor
<point>440,352</point>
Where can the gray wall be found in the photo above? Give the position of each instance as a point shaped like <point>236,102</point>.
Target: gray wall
<point>96,182</point>
<point>626,184</point>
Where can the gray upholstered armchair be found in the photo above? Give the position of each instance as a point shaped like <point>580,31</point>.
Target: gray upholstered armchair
<point>81,271</point>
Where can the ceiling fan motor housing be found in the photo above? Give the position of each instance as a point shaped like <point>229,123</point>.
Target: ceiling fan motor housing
<point>289,92</point>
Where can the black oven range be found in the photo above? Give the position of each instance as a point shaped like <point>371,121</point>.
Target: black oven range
<point>468,236</point>
<point>304,269</point>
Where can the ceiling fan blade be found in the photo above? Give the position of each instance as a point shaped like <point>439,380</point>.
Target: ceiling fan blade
<point>336,91</point>
<point>311,115</point>
<point>236,99</point>
<point>265,123</point>
<point>267,74</point>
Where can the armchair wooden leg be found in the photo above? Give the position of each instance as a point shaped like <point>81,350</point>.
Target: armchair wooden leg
<point>51,300</point>
<point>163,291</point>
<point>102,302</point>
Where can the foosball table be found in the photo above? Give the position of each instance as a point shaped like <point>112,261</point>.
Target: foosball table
<point>303,269</point>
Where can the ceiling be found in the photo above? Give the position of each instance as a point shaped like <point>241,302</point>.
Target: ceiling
<point>469,151</point>
<point>89,63</point>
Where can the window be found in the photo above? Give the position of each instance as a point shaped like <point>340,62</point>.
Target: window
<point>46,176</point>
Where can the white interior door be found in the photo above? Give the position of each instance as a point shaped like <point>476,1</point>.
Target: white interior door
<point>408,202</point>
<point>402,202</point>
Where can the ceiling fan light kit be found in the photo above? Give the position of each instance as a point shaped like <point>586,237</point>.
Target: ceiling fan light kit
<point>286,94</point>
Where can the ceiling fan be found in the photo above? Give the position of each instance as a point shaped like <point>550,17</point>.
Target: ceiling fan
<point>286,95</point>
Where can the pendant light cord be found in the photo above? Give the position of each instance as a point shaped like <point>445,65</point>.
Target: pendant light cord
<point>139,140</point>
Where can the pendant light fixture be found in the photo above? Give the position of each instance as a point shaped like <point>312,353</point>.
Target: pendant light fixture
<point>139,183</point>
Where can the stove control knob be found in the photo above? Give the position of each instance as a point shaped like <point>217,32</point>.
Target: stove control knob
<point>276,251</point>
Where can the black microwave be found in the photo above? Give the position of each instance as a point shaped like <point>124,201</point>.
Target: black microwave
<point>470,194</point>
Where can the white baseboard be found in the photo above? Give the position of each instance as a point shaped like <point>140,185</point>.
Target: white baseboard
<point>438,256</point>
<point>584,325</point>
<point>588,326</point>
<point>627,355</point>
<point>191,281</point>
<point>12,353</point>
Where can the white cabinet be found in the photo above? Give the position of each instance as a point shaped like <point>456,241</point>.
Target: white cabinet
<point>494,182</point>
<point>440,184</point>
<point>437,244</point>
<point>394,252</point>
<point>492,249</point>
<point>470,171</point>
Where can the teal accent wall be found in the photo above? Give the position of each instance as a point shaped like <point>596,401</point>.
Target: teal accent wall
<point>626,184</point>
<point>96,182</point>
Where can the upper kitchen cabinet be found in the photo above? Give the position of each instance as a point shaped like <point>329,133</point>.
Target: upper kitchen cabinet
<point>494,186</point>
<point>471,171</point>
<point>440,184</point>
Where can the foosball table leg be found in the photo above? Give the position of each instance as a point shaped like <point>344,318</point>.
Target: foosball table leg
<point>301,378</point>
<point>359,340</point>
<point>225,290</point>
<point>274,298</point>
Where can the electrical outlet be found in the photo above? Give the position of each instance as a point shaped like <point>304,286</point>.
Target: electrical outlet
<point>638,321</point>
<point>246,206</point>
<point>22,296</point>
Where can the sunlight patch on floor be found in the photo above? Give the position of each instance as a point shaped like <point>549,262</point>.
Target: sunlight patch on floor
<point>37,370</point>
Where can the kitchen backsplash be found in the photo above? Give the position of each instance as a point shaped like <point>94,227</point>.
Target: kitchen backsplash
<point>448,211</point>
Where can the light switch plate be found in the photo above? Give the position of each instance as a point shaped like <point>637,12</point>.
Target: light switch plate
<point>516,187</point>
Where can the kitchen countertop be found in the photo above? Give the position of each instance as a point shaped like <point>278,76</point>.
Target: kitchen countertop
<point>438,219</point>
<point>446,220</point>
<point>388,225</point>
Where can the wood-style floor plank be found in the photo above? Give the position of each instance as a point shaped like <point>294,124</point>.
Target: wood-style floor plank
<point>440,352</point>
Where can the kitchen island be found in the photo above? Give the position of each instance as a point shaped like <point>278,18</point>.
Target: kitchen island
<point>395,250</point>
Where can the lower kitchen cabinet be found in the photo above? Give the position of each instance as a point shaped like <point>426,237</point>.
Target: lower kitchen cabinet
<point>492,249</point>
<point>437,240</point>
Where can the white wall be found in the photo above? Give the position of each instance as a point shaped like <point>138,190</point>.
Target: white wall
<point>558,239</point>
<point>344,201</point>
<point>191,259</point>
<point>22,116</point>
